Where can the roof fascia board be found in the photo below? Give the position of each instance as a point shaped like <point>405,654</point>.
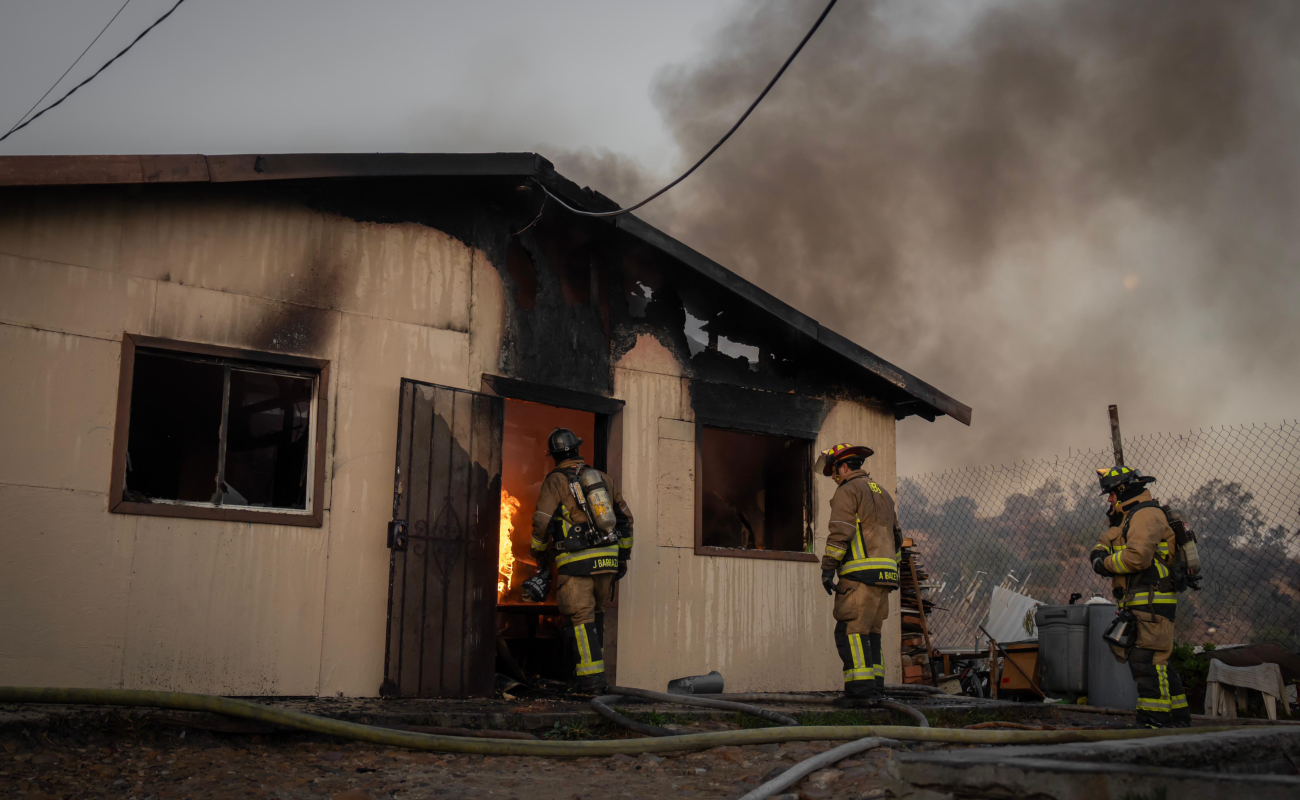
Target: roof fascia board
<point>116,169</point>
<point>299,166</point>
<point>91,170</point>
<point>905,381</point>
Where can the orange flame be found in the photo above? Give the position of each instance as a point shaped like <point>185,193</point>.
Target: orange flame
<point>505,548</point>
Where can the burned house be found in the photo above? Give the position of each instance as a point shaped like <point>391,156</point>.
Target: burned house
<point>274,424</point>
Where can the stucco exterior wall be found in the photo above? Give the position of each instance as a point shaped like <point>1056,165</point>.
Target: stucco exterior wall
<point>766,625</point>
<point>89,598</point>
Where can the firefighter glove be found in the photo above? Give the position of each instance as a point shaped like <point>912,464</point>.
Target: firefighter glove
<point>537,588</point>
<point>828,580</point>
<point>1098,563</point>
<point>622,570</point>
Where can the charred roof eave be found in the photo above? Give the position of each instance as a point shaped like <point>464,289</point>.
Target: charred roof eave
<point>925,400</point>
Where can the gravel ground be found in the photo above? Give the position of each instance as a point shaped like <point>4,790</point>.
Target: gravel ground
<point>201,765</point>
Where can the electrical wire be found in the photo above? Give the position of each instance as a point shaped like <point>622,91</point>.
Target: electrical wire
<point>720,142</point>
<point>536,219</point>
<point>69,69</point>
<point>38,114</point>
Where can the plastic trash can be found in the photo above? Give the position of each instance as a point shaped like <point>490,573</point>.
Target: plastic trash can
<point>1110,684</point>
<point>1063,648</point>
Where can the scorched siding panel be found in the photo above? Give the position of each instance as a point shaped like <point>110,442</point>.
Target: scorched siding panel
<point>68,225</point>
<point>71,299</point>
<point>58,408</point>
<point>374,357</point>
<point>64,579</point>
<point>225,607</point>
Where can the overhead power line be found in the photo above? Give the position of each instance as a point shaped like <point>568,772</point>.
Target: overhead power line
<point>69,69</point>
<point>38,114</point>
<point>721,141</point>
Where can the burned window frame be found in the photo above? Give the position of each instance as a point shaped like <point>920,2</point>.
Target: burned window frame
<point>319,369</point>
<point>810,517</point>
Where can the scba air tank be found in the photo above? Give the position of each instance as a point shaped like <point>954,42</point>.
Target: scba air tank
<point>599,500</point>
<point>1192,556</point>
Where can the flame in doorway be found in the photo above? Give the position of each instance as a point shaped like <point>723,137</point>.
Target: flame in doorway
<point>505,549</point>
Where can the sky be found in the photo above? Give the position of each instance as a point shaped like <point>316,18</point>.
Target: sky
<point>294,76</point>
<point>1038,206</point>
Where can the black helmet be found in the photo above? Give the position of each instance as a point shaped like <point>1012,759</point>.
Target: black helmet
<point>561,441</point>
<point>1114,479</point>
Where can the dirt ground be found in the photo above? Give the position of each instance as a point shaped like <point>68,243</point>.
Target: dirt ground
<point>136,754</point>
<point>203,765</point>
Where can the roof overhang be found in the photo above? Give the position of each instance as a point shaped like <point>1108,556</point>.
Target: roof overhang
<point>928,401</point>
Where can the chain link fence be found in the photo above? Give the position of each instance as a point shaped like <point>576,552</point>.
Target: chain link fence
<point>1029,527</point>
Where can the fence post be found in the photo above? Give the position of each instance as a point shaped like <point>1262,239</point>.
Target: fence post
<point>1116,442</point>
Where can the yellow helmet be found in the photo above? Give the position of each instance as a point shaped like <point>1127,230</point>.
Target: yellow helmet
<point>829,459</point>
<point>1115,477</point>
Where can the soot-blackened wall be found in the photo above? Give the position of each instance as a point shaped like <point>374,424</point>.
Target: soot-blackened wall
<point>580,292</point>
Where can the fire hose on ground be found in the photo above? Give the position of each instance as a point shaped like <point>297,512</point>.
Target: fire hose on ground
<point>243,709</point>
<point>727,702</point>
<point>810,765</point>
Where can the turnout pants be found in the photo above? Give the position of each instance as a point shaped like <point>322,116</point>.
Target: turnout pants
<point>860,610</point>
<point>582,602</point>
<point>1161,700</point>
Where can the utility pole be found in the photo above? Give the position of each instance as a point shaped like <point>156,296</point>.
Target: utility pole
<point>1115,441</point>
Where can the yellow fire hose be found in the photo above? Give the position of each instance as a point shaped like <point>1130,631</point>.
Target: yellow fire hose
<point>244,709</point>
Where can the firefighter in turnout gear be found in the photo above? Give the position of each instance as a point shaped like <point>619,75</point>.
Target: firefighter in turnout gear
<point>584,520</point>
<point>862,548</point>
<point>1137,553</point>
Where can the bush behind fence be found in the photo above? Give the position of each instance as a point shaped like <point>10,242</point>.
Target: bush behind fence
<point>1029,526</point>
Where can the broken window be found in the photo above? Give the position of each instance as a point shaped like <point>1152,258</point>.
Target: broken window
<point>754,491</point>
<point>216,433</point>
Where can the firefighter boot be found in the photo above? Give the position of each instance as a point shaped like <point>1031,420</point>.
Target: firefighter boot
<point>589,663</point>
<point>878,662</point>
<point>859,675</point>
<point>1178,710</point>
<point>1154,700</point>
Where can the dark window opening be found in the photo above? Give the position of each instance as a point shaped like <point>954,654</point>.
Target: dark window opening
<point>638,299</point>
<point>701,335</point>
<point>754,491</point>
<point>219,432</point>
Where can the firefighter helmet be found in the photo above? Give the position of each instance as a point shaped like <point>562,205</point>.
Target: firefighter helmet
<point>1116,477</point>
<point>561,441</point>
<point>828,460</point>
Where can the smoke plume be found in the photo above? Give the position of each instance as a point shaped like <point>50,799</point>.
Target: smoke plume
<point>1040,207</point>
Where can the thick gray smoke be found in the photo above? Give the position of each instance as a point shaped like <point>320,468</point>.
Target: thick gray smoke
<point>1040,207</point>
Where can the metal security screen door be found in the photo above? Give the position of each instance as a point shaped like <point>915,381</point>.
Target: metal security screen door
<point>443,539</point>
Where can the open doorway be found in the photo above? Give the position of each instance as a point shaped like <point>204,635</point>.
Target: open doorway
<point>465,487</point>
<point>532,633</point>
